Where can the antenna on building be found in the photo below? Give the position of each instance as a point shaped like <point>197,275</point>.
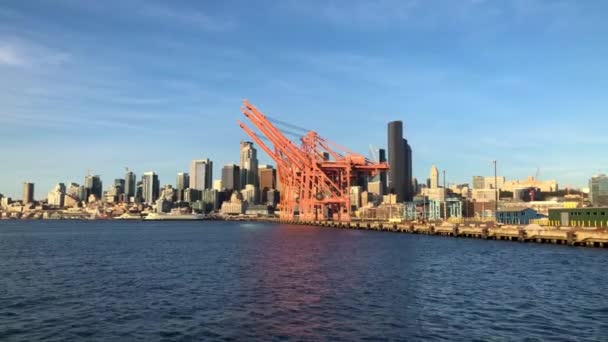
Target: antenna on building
<point>126,169</point>
<point>537,173</point>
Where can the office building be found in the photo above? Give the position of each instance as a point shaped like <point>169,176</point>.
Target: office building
<point>211,200</point>
<point>201,174</point>
<point>28,193</point>
<point>192,195</point>
<point>434,176</point>
<point>250,194</point>
<point>598,190</point>
<point>56,197</point>
<point>150,187</point>
<point>249,165</point>
<point>217,185</point>
<point>130,186</point>
<point>400,162</point>
<point>93,185</point>
<point>267,176</point>
<point>231,177</point>
<point>119,185</point>
<point>478,182</point>
<point>182,181</point>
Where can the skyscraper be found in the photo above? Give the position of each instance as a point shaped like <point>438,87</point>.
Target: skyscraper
<point>400,162</point>
<point>231,177</point>
<point>119,184</point>
<point>249,164</point>
<point>598,190</point>
<point>93,185</point>
<point>267,177</point>
<point>201,174</point>
<point>150,187</point>
<point>434,176</point>
<point>182,181</point>
<point>130,184</point>
<point>28,193</point>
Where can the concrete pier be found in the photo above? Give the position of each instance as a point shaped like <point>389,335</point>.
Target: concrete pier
<point>533,233</point>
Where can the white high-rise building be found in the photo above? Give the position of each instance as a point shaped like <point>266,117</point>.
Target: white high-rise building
<point>217,184</point>
<point>201,174</point>
<point>57,196</point>
<point>434,176</point>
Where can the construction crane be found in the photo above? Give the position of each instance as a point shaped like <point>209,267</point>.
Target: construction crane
<point>316,176</point>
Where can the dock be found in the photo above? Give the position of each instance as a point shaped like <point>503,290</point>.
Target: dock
<point>570,236</point>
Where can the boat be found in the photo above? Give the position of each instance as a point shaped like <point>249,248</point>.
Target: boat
<point>127,216</point>
<point>173,217</point>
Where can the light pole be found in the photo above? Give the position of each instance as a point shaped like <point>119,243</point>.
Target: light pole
<point>495,189</point>
<point>445,202</point>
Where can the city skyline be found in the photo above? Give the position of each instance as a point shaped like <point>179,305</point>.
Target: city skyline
<point>472,72</point>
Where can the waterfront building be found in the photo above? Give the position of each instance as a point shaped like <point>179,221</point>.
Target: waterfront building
<point>579,217</point>
<point>598,190</point>
<point>231,177</point>
<point>235,206</point>
<point>249,164</point>
<point>434,176</point>
<point>130,186</point>
<point>517,216</point>
<point>28,193</point>
<point>400,162</point>
<point>201,174</point>
<point>150,187</point>
<point>217,185</point>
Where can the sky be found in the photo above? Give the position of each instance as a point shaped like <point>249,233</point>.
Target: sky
<point>98,86</point>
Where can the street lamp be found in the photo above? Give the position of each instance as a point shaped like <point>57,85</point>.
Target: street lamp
<point>495,189</point>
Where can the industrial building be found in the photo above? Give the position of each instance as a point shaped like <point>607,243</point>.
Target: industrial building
<point>579,217</point>
<point>517,216</point>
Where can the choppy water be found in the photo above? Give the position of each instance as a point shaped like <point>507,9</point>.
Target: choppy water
<point>183,281</point>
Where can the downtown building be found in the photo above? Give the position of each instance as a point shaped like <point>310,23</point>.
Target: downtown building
<point>598,190</point>
<point>249,165</point>
<point>231,177</point>
<point>400,163</point>
<point>201,174</point>
<point>130,186</point>
<point>28,193</point>
<point>150,187</point>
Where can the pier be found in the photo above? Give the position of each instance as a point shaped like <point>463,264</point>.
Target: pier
<point>570,236</point>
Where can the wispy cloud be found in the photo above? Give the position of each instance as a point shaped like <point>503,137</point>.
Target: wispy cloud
<point>190,17</point>
<point>21,53</point>
<point>9,56</point>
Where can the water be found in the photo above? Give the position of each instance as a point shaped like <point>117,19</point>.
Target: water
<point>180,281</point>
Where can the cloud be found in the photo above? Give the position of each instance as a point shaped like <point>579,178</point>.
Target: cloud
<point>190,17</point>
<point>9,56</point>
<point>17,52</point>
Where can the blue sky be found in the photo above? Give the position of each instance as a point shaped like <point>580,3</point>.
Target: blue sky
<point>103,85</point>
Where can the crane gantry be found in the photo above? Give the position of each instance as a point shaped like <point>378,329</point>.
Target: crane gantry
<point>315,176</point>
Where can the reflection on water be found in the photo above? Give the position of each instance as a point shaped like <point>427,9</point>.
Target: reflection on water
<point>222,281</point>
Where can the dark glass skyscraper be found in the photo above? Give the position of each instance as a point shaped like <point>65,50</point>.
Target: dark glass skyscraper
<point>130,185</point>
<point>93,186</point>
<point>400,162</point>
<point>231,177</point>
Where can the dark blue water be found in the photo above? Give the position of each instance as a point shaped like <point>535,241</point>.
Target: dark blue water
<point>181,281</point>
